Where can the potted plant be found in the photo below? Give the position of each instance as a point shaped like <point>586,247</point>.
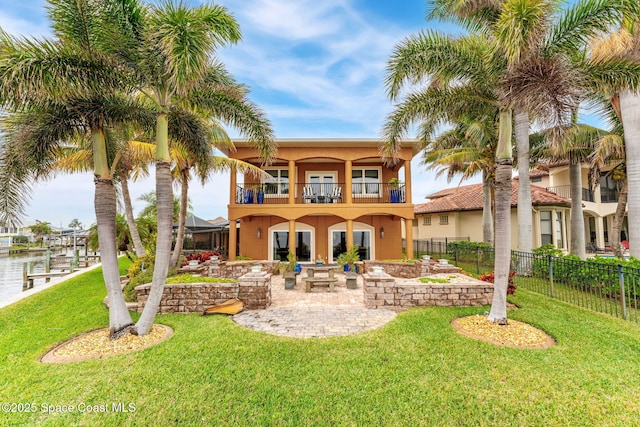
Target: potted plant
<point>394,193</point>
<point>259,193</point>
<point>346,260</point>
<point>290,272</point>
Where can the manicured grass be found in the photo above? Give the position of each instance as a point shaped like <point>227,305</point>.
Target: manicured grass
<point>415,371</point>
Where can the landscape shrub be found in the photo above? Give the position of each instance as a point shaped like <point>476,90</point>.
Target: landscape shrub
<point>511,286</point>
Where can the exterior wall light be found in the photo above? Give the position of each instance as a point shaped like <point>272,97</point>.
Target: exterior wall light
<point>259,233</point>
<point>382,232</point>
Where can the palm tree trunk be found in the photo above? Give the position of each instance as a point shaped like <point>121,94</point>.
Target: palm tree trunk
<point>630,112</point>
<point>502,246</point>
<point>131,221</point>
<point>618,217</point>
<point>487,215</point>
<point>578,244</point>
<point>498,312</point>
<point>105,204</point>
<point>164,200</point>
<point>182,217</point>
<point>525,214</point>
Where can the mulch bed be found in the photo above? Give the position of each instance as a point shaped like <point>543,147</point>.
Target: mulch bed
<point>515,334</point>
<point>96,344</point>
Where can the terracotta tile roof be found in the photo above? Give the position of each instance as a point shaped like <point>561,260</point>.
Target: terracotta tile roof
<point>469,198</point>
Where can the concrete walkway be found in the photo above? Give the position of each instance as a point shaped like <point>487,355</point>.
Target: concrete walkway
<point>319,313</point>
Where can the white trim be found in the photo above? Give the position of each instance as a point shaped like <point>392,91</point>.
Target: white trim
<point>284,226</point>
<point>363,184</point>
<point>357,226</point>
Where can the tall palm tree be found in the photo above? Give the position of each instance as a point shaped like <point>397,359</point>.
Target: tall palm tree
<point>169,50</point>
<point>625,43</point>
<point>518,53</point>
<point>610,152</point>
<point>68,84</point>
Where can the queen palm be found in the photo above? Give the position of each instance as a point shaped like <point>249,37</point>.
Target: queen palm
<point>169,50</point>
<point>68,84</point>
<point>467,149</point>
<point>625,43</point>
<point>526,61</point>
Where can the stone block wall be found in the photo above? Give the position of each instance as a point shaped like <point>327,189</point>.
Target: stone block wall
<point>254,291</point>
<point>235,269</point>
<point>382,291</point>
<point>417,268</point>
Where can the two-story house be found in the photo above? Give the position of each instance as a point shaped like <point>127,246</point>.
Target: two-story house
<point>320,197</point>
<point>457,212</point>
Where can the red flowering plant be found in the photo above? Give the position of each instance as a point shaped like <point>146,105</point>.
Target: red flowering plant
<point>199,256</point>
<point>511,287</point>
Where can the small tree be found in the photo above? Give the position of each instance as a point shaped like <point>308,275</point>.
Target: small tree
<point>349,258</point>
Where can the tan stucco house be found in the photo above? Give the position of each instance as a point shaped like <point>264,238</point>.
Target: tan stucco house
<point>321,197</point>
<point>457,213</point>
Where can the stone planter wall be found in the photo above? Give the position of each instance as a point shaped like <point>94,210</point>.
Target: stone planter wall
<point>254,290</point>
<point>235,269</point>
<point>382,291</point>
<point>418,268</point>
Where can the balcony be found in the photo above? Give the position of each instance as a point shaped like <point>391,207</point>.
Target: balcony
<point>319,193</point>
<point>609,195</point>
<point>565,191</point>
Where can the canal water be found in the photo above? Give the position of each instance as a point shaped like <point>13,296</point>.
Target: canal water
<point>11,270</point>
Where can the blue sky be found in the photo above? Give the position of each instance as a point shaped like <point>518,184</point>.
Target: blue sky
<point>315,67</point>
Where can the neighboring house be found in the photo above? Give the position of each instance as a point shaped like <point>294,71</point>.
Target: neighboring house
<point>457,212</point>
<point>322,196</point>
<point>203,234</point>
<point>598,205</point>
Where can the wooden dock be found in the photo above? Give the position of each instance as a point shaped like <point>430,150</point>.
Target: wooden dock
<point>63,265</point>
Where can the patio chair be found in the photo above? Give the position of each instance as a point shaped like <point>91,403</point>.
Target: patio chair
<point>591,247</point>
<point>625,245</point>
<point>336,195</point>
<point>308,196</point>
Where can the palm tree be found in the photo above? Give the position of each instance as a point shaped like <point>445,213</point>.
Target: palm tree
<point>70,89</point>
<point>467,149</point>
<point>610,152</point>
<point>523,58</point>
<point>168,49</point>
<point>182,171</point>
<point>625,44</point>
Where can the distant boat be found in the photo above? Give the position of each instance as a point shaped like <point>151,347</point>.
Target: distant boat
<point>232,306</point>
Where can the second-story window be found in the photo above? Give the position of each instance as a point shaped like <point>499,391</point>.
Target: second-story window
<point>365,181</point>
<point>279,183</point>
<point>444,219</point>
<point>426,220</point>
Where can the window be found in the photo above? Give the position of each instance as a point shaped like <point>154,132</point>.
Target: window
<point>536,179</point>
<point>426,220</point>
<point>281,246</point>
<point>545,227</point>
<point>366,181</point>
<point>559,241</point>
<point>360,238</point>
<point>278,183</point>
<point>444,219</point>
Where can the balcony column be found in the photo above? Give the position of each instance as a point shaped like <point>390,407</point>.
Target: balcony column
<point>233,240</point>
<point>408,231</point>
<point>292,237</point>
<point>232,187</point>
<point>349,234</point>
<point>600,232</point>
<point>348,179</point>
<point>292,182</point>
<point>407,182</point>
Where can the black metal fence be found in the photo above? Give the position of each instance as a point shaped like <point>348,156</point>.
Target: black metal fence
<point>602,286</point>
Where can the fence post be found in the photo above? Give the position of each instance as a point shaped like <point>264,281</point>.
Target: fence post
<point>622,295</point>
<point>478,260</point>
<point>47,262</point>
<point>550,275</point>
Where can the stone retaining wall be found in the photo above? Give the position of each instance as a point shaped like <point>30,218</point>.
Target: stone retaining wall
<point>253,289</point>
<point>235,269</point>
<point>382,291</point>
<point>418,268</point>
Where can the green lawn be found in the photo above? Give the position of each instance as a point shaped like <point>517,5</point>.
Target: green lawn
<point>415,371</point>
